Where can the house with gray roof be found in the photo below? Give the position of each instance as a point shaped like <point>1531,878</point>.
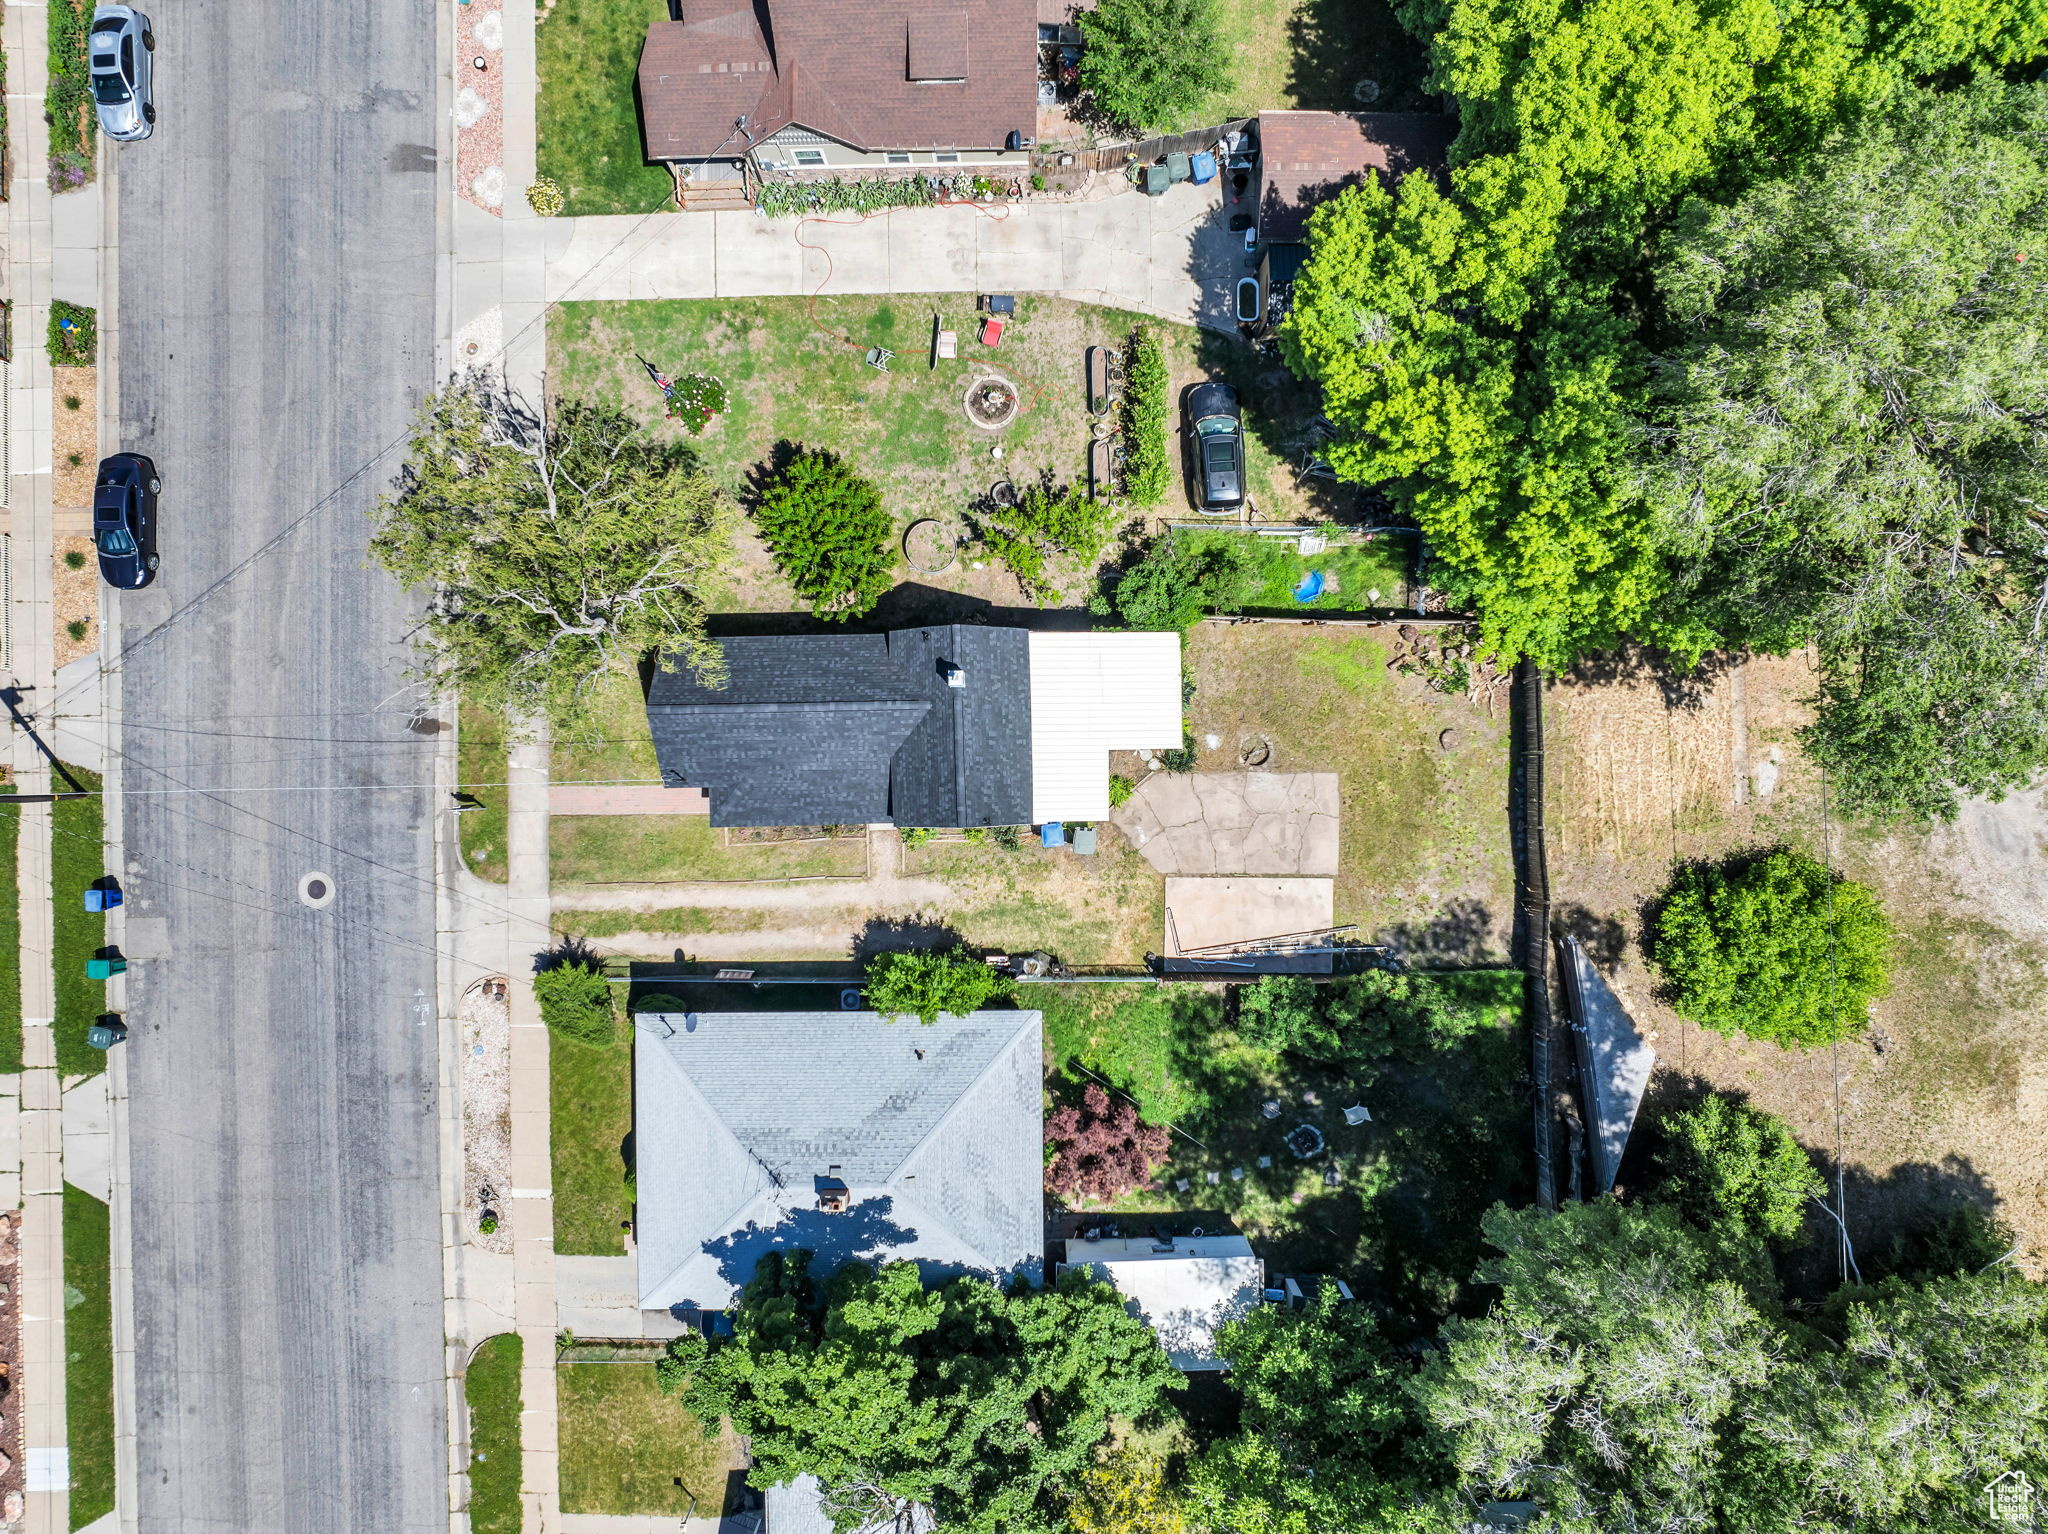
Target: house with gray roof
<point>953,726</point>
<point>842,1133</point>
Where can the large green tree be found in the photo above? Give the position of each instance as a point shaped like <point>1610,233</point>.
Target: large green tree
<point>983,1405</point>
<point>1477,342</point>
<point>1149,63</point>
<point>1736,1172</point>
<point>1851,439</point>
<point>1606,1382</point>
<point>1325,1426</point>
<point>557,551</point>
<point>1774,945</point>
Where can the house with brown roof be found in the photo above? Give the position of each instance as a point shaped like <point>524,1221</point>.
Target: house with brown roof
<point>790,86</point>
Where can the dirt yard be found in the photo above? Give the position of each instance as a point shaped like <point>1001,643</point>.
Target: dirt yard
<point>1946,1099</point>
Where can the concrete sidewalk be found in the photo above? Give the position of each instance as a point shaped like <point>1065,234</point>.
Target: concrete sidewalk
<point>1171,256</point>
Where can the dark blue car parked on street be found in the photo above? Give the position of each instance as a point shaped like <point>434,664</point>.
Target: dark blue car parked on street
<point>124,520</point>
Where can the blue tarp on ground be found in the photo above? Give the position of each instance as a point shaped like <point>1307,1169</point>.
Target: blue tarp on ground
<point>1614,1064</point>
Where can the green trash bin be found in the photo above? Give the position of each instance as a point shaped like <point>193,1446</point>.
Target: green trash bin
<point>106,1035</point>
<point>104,969</point>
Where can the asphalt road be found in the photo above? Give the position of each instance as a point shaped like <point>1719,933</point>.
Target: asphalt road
<point>276,275</point>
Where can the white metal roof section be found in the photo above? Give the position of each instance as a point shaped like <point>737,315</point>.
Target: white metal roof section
<point>1092,694</point>
<point>1185,1288</point>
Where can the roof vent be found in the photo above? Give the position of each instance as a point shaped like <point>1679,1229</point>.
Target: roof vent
<point>955,675</point>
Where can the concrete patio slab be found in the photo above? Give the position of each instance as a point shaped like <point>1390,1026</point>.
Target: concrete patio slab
<point>597,1296</point>
<point>1202,913</point>
<point>1277,824</point>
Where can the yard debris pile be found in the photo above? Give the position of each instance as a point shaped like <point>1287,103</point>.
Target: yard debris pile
<point>1447,661</point>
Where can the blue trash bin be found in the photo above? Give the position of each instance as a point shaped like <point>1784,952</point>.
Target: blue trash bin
<point>1052,834</point>
<point>1202,168</point>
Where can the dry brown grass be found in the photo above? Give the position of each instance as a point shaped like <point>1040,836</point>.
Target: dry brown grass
<point>1952,1107</point>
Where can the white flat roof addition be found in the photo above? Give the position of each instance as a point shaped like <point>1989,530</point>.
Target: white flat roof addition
<point>1092,694</point>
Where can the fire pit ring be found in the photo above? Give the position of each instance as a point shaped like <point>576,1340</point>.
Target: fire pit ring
<point>991,402</point>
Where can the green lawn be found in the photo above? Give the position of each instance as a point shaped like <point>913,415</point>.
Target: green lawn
<point>590,1103</point>
<point>89,1351</point>
<point>589,109</point>
<point>77,857</point>
<point>628,1449</point>
<point>1316,54</point>
<point>1357,577</point>
<point>491,1387</point>
<point>1447,1136</point>
<point>481,766</point>
<point>601,849</point>
<point>10,936</point>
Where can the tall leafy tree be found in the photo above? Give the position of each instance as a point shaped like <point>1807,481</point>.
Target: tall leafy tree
<point>559,549</point>
<point>1149,63</point>
<point>829,532</point>
<point>1736,1172</point>
<point>1325,1426</point>
<point>1918,1398</point>
<point>1851,433</point>
<point>983,1405</point>
<point>1605,1383</point>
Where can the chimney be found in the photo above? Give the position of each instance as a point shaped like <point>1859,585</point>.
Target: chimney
<point>832,1197</point>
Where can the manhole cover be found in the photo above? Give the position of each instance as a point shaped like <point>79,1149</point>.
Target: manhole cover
<point>1366,92</point>
<point>317,890</point>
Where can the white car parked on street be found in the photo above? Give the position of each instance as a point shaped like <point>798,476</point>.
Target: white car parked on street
<point>123,83</point>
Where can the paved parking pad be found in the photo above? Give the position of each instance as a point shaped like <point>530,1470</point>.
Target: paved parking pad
<point>1282,824</point>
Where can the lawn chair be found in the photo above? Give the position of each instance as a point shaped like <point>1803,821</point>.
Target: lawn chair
<point>992,330</point>
<point>878,358</point>
<point>945,343</point>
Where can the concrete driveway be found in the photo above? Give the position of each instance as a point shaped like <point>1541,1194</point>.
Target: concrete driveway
<point>1172,256</point>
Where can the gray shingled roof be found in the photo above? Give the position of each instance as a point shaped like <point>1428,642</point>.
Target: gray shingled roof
<point>846,729</point>
<point>738,1115</point>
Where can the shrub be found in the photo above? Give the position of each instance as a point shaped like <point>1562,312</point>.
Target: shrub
<point>74,335</point>
<point>1357,1022</point>
<point>829,533</point>
<point>1774,946</point>
<point>1179,582</point>
<point>74,559</point>
<point>694,399</point>
<point>775,198</point>
<point>1150,63</point>
<point>67,100</point>
<point>1182,757</point>
<point>1103,1150</point>
<point>576,1002</point>
<point>546,197</point>
<point>1736,1171</point>
<point>77,628</point>
<point>73,402</point>
<point>930,982</point>
<point>660,1002</point>
<point>1120,790</point>
<point>1046,522</point>
<point>1148,469</point>
<point>488,1224</point>
<point>1037,182</point>
<point>918,836</point>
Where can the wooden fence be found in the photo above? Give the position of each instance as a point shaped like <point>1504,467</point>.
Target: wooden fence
<point>1147,151</point>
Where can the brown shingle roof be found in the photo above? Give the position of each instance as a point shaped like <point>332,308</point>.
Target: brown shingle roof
<point>1306,158</point>
<point>848,71</point>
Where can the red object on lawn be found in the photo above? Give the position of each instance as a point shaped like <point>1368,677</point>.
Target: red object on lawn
<point>992,330</point>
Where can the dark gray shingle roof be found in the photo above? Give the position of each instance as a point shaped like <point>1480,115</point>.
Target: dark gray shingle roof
<point>849,728</point>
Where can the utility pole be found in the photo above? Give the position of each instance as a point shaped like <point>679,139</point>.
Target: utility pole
<point>11,696</point>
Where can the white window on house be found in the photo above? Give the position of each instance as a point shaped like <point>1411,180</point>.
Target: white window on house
<point>899,157</point>
<point>946,157</point>
<point>809,156</point>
